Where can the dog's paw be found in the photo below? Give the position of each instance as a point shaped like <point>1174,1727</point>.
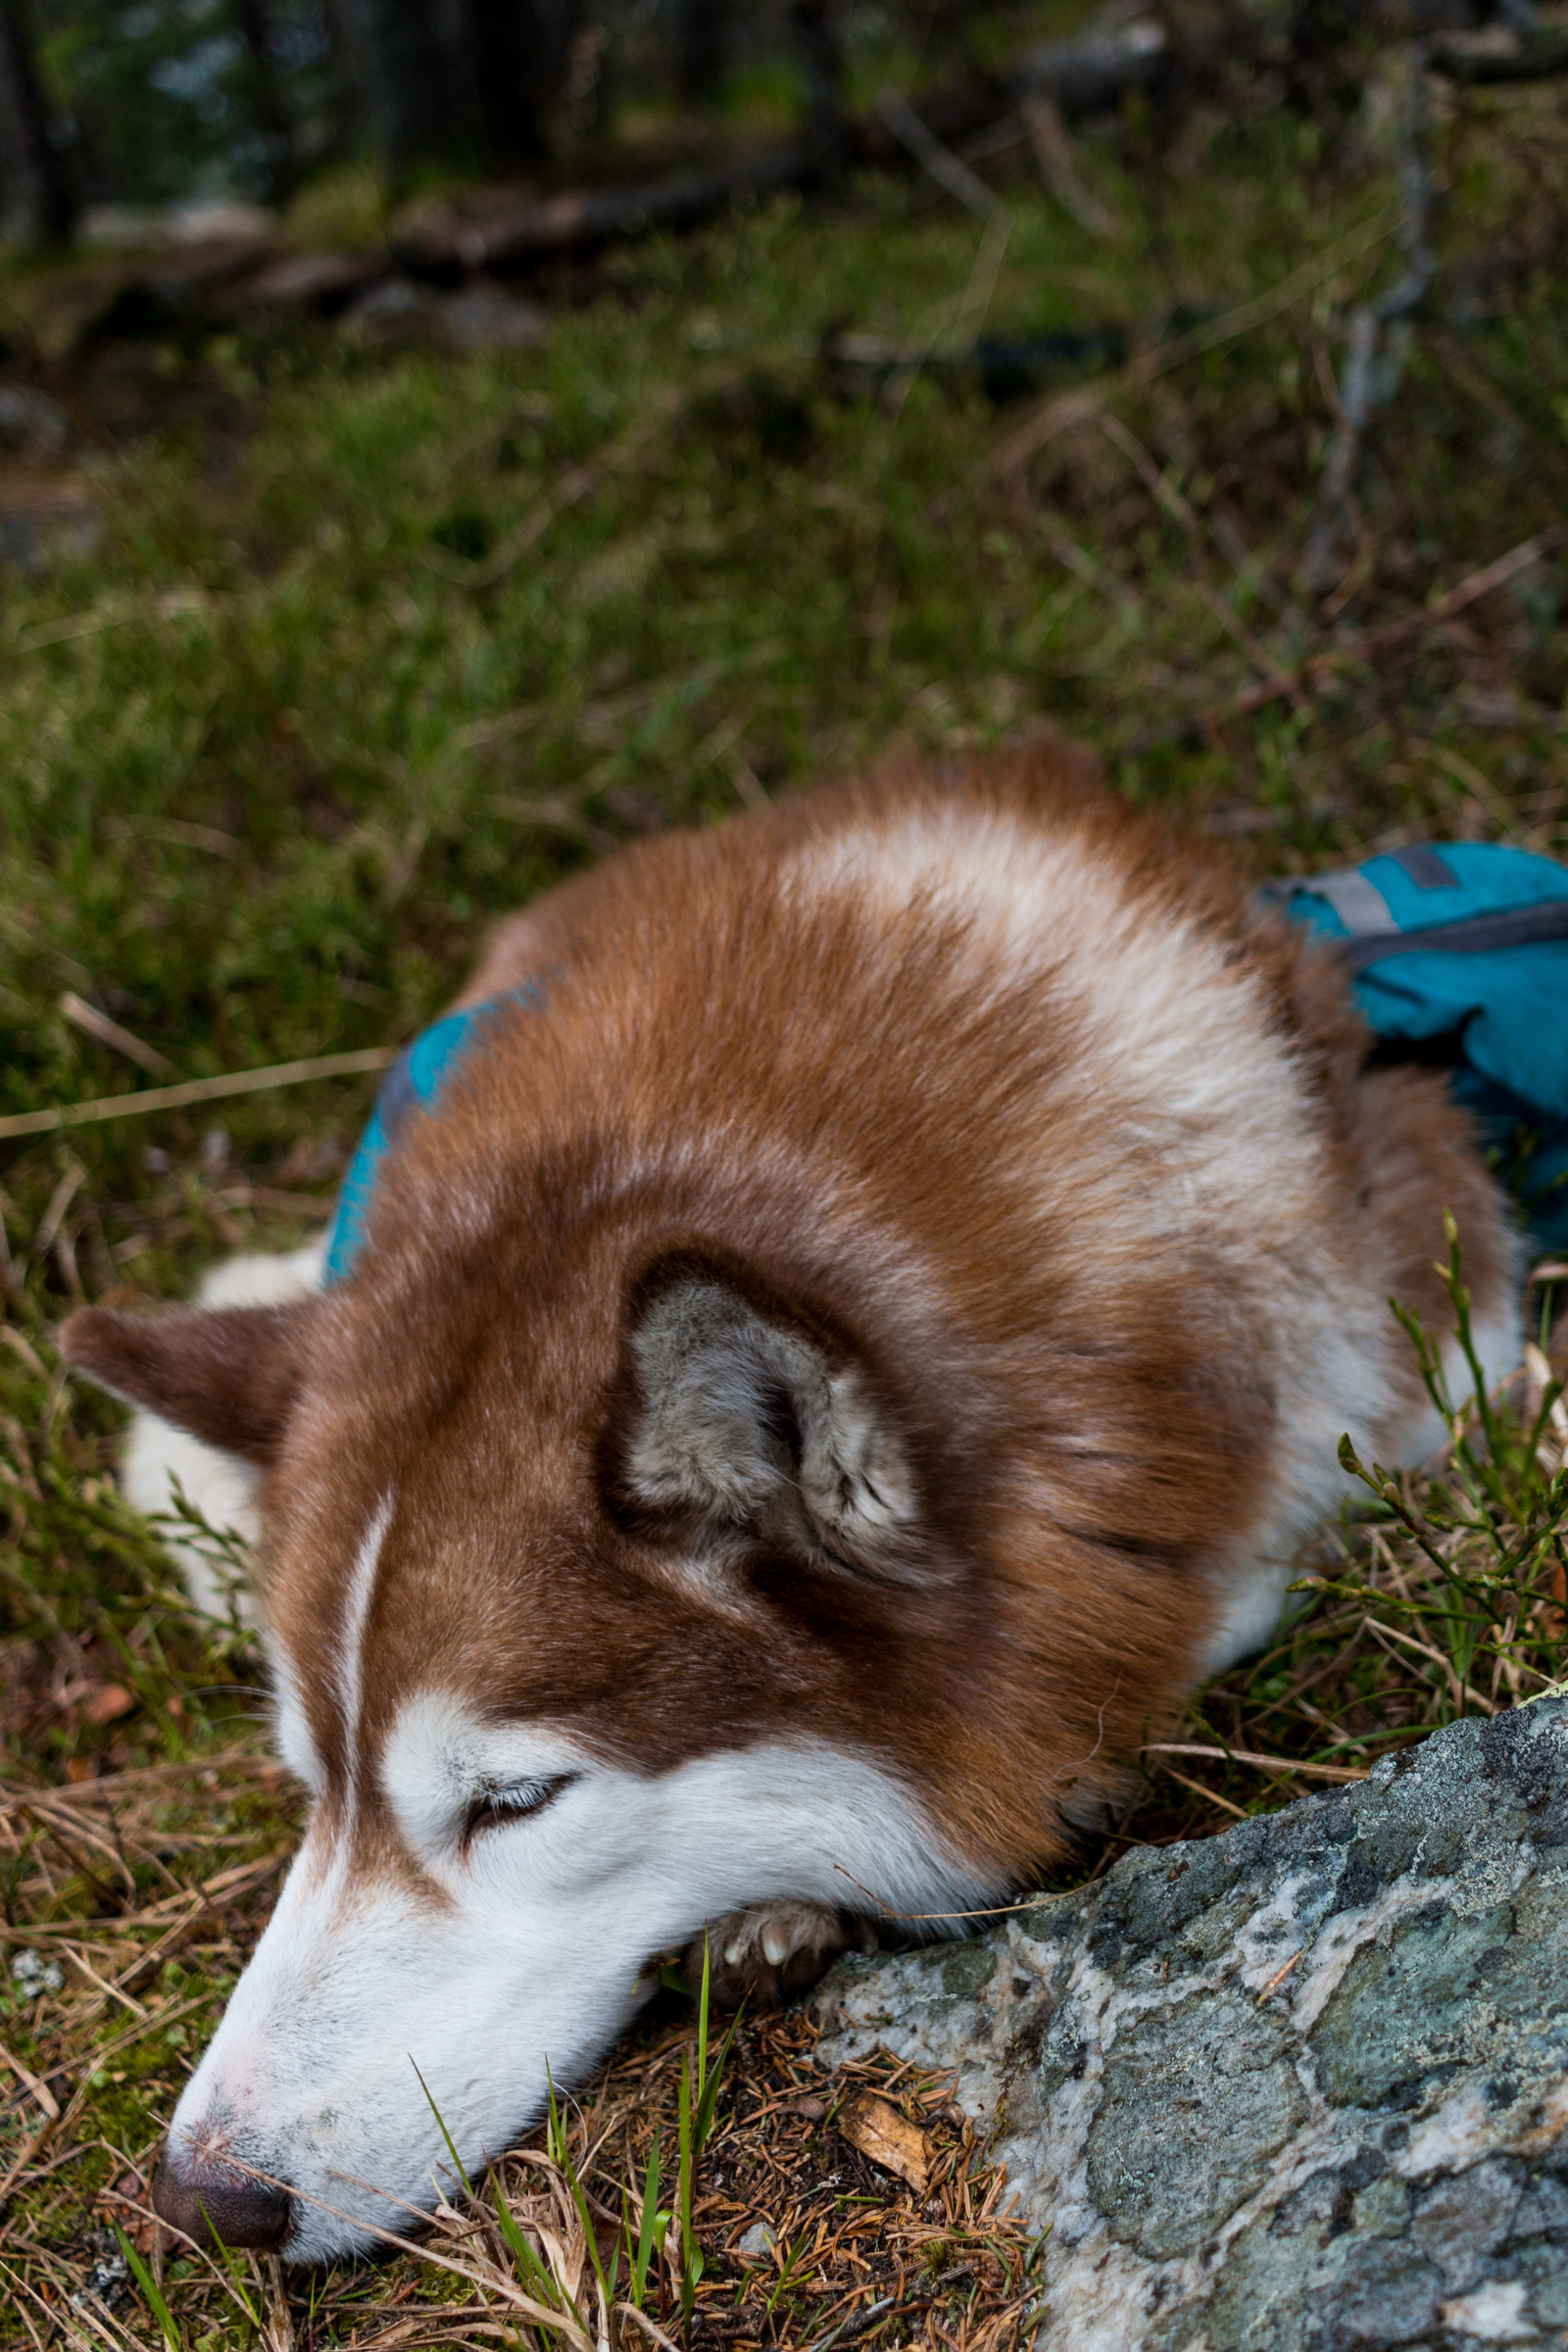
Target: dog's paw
<point>765,1956</point>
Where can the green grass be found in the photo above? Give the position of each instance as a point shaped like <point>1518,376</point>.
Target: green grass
<point>270,756</point>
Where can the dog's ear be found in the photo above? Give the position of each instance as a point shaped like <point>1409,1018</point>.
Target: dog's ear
<point>740,1408</point>
<point>228,1375</point>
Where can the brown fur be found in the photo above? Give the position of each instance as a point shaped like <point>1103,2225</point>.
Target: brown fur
<point>804,1086</point>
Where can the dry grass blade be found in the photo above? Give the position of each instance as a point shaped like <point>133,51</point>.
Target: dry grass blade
<point>1458,1690</point>
<point>490,2275</point>
<point>98,1024</point>
<point>60,1199</point>
<point>1210,1796</point>
<point>1279,1976</point>
<point>1303,1769</point>
<point>112,1787</point>
<point>72,1829</point>
<point>940,162</point>
<point>358,1064</point>
<point>1057,154</point>
<point>32,2082</point>
<point>186,1906</point>
<point>1365,648</point>
<point>640,2319</point>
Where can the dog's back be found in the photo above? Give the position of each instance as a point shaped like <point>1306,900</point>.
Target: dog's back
<point>1076,1140</point>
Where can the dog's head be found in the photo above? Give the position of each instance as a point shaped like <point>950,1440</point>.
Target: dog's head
<point>590,1621</point>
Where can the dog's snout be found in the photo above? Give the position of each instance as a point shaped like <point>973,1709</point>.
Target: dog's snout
<point>211,2200</point>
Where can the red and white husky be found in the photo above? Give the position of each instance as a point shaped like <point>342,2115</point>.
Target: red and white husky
<point>809,1399</point>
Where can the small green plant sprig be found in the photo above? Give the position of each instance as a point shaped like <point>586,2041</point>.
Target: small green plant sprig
<point>226,1554</point>
<point>152,2293</point>
<point>225,2265</point>
<point>1486,1588</point>
<point>581,2294</point>
<point>699,2098</point>
<point>790,2265</point>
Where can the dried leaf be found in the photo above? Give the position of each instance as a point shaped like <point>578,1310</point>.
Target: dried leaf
<point>108,1703</point>
<point>875,2127</point>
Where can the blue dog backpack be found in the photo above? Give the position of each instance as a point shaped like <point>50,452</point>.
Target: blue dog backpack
<point>1459,957</point>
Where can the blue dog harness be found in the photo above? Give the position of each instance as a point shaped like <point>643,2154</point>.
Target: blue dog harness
<point>412,1083</point>
<point>1459,956</point>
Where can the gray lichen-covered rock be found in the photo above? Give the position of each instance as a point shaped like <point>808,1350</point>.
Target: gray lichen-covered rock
<point>1303,2088</point>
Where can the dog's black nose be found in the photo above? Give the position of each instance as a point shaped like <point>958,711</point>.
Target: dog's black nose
<point>207,2200</point>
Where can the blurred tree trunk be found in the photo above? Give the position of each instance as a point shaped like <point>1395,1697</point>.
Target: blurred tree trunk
<point>353,69</point>
<point>466,81</point>
<point>267,104</point>
<point>514,66</point>
<point>1320,75</point>
<point>40,183</point>
<point>816,45</point>
<point>702,49</point>
<point>415,103</point>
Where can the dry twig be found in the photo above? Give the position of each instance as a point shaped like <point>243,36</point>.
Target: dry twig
<point>1245,1755</point>
<point>939,162</point>
<point>356,1064</point>
<point>98,1025</point>
<point>1067,410</point>
<point>1371,642</point>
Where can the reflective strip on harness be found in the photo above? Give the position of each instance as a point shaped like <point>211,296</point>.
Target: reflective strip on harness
<point>1359,904</point>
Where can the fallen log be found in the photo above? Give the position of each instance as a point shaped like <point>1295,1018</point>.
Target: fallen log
<point>1077,77</point>
<point>543,227</point>
<point>1070,78</point>
<point>1009,367</point>
<point>1475,61</point>
<point>172,297</point>
<point>1096,70</point>
<point>324,282</point>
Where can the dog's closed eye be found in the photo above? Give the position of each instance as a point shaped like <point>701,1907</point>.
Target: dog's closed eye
<point>497,1806</point>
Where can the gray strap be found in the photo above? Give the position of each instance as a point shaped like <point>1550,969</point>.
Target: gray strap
<point>1425,866</point>
<point>1359,904</point>
<point>1477,935</point>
